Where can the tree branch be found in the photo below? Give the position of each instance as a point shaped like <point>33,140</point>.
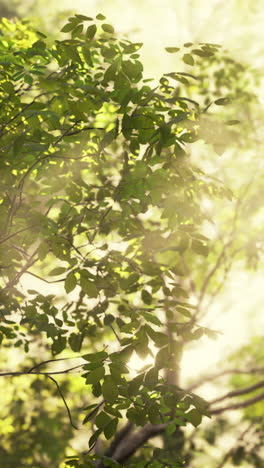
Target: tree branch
<point>118,439</point>
<point>130,445</point>
<point>211,377</point>
<point>242,391</point>
<point>243,404</point>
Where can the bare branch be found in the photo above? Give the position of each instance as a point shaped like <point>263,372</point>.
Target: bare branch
<point>66,132</point>
<point>51,360</point>
<point>43,279</point>
<point>242,391</point>
<point>17,373</point>
<point>211,377</point>
<point>23,270</point>
<point>4,239</point>
<point>118,438</point>
<point>243,404</point>
<point>213,271</point>
<point>130,445</point>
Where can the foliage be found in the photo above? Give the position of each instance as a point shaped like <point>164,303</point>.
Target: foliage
<point>101,202</point>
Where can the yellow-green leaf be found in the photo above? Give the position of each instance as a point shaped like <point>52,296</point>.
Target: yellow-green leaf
<point>109,389</point>
<point>188,59</point>
<point>91,31</point>
<point>172,50</point>
<point>95,375</point>
<point>70,282</point>
<point>108,28</point>
<point>110,428</point>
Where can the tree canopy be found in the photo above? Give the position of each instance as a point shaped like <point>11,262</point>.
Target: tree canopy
<point>103,202</point>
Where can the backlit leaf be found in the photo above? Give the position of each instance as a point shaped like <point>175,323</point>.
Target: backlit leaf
<point>108,28</point>
<point>91,31</point>
<point>70,282</point>
<point>188,59</point>
<point>172,50</point>
<point>95,375</point>
<point>110,428</point>
<point>109,389</point>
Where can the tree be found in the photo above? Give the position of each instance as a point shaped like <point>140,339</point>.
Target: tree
<point>100,198</point>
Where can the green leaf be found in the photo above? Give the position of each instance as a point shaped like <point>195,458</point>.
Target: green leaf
<point>68,27</point>
<point>58,344</point>
<point>110,428</point>
<point>131,48</point>
<point>108,28</point>
<point>160,339</point>
<point>41,34</point>
<point>200,248</point>
<point>87,55</point>
<point>91,31</point>
<point>108,52</point>
<point>84,18</point>
<point>94,437</point>
<point>91,414</point>
<point>172,50</point>
<point>88,287</point>
<point>132,69</point>
<point>152,377</point>
<point>233,122</point>
<point>77,31</point>
<point>75,342</point>
<point>110,72</point>
<point>109,389</point>
<point>109,319</point>
<point>97,389</point>
<point>194,417</point>
<point>101,355</point>
<point>43,250</point>
<point>222,101</point>
<point>203,53</point>
<point>57,271</point>
<point>146,297</point>
<point>171,428</point>
<point>212,334</point>
<point>162,358</point>
<point>100,17</point>
<point>102,419</point>
<point>184,311</point>
<point>198,333</point>
<point>153,414</point>
<point>151,318</point>
<point>187,58</point>
<point>95,375</point>
<point>70,282</point>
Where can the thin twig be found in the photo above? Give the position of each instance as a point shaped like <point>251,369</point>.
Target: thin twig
<point>64,401</point>
<point>51,360</point>
<point>49,376</point>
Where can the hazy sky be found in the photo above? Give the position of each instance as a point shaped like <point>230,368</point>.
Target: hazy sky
<point>236,24</point>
